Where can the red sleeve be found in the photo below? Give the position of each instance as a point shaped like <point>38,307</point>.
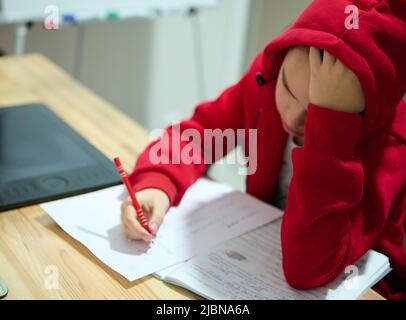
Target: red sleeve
<point>322,226</point>
<point>175,177</point>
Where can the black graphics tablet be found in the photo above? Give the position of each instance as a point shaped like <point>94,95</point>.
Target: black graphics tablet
<point>42,159</point>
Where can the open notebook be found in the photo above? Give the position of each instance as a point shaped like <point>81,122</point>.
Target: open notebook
<point>250,267</point>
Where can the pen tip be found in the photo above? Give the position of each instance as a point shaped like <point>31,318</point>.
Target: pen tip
<point>152,238</point>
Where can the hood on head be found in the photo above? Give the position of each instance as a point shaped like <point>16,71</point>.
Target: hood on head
<point>375,52</point>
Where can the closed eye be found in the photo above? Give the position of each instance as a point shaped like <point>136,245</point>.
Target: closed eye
<point>286,85</point>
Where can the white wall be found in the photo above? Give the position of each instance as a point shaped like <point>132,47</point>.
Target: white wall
<point>268,19</point>
<point>173,70</point>
<point>148,67</point>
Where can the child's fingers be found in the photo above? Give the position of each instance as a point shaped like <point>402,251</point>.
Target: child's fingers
<point>340,66</point>
<point>315,59</point>
<point>132,227</point>
<point>136,230</point>
<point>126,232</point>
<point>156,219</point>
<point>329,59</point>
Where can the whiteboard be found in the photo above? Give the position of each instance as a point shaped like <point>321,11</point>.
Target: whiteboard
<point>34,10</point>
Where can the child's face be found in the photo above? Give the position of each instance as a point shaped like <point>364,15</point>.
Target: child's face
<point>292,91</point>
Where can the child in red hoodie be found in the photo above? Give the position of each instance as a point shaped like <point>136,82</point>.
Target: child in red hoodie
<point>333,94</point>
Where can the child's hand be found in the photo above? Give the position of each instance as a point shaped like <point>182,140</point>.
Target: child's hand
<point>155,203</point>
<point>333,85</point>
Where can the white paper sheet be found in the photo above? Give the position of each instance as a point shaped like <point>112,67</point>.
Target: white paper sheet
<point>250,267</point>
<point>209,214</point>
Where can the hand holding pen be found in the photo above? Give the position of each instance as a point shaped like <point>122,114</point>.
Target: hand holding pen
<point>142,218</point>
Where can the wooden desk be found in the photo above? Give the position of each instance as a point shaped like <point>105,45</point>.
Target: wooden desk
<point>29,240</point>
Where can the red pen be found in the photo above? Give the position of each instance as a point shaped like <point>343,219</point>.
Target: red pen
<point>130,191</point>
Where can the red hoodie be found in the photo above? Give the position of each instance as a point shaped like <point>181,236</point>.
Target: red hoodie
<point>348,190</point>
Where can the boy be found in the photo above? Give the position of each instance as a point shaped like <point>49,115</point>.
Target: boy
<point>333,95</point>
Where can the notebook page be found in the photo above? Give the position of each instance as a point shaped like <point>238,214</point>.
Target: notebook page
<point>209,214</point>
<point>250,267</point>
